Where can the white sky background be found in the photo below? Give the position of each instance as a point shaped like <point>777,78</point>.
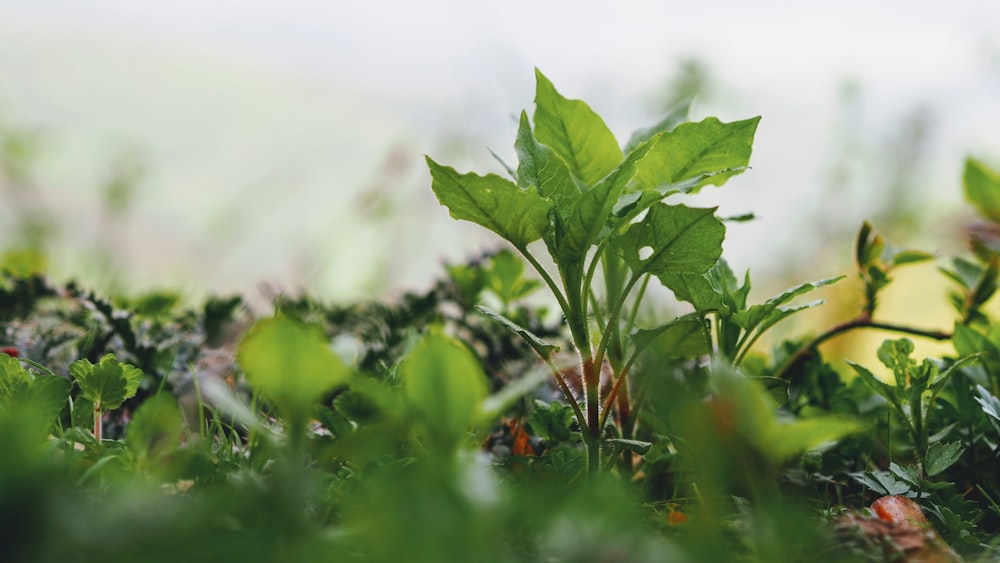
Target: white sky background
<point>260,123</point>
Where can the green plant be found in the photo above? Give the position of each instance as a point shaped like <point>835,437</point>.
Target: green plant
<point>105,385</point>
<point>600,213</point>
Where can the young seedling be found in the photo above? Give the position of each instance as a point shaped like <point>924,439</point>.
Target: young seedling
<point>106,384</point>
<point>598,210</point>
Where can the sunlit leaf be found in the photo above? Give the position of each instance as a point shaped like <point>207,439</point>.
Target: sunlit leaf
<point>577,134</point>
<point>539,167</point>
<point>519,216</point>
<point>699,148</point>
<point>982,188</point>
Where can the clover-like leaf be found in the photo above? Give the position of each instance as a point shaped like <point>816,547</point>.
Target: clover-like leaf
<point>107,383</point>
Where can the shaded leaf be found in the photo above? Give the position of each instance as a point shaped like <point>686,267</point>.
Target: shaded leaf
<point>683,337</point>
<point>155,429</point>
<point>589,213</point>
<point>544,349</point>
<point>942,456</point>
<point>673,238</point>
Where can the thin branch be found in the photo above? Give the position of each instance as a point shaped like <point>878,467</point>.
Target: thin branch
<point>861,322</point>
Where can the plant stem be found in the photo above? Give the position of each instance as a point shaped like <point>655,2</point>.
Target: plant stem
<point>862,321</point>
<point>545,277</point>
<point>97,422</point>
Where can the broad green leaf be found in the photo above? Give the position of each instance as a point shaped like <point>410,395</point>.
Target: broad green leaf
<point>982,188</point>
<point>108,383</point>
<point>770,312</point>
<point>589,214</point>
<point>82,415</point>
<point>48,396</point>
<point>784,441</point>
<point>539,167</point>
<point>677,115</point>
<point>754,415</point>
<point>696,289</point>
<point>693,149</point>
<point>155,429</point>
<point>683,337</point>
<point>715,290</point>
<point>942,456</point>
<point>445,386</point>
<point>577,134</point>
<point>290,363</point>
<point>519,216</point>
<point>673,238</point>
<point>542,348</point>
<point>14,380</point>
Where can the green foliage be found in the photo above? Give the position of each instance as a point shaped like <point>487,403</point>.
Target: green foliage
<point>452,425</point>
<point>444,385</point>
<point>290,364</point>
<point>576,189</point>
<point>108,383</point>
<point>982,188</point>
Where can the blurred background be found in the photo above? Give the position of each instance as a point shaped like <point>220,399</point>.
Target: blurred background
<point>211,146</point>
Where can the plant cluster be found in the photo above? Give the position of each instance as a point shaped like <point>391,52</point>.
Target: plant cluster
<point>463,424</point>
